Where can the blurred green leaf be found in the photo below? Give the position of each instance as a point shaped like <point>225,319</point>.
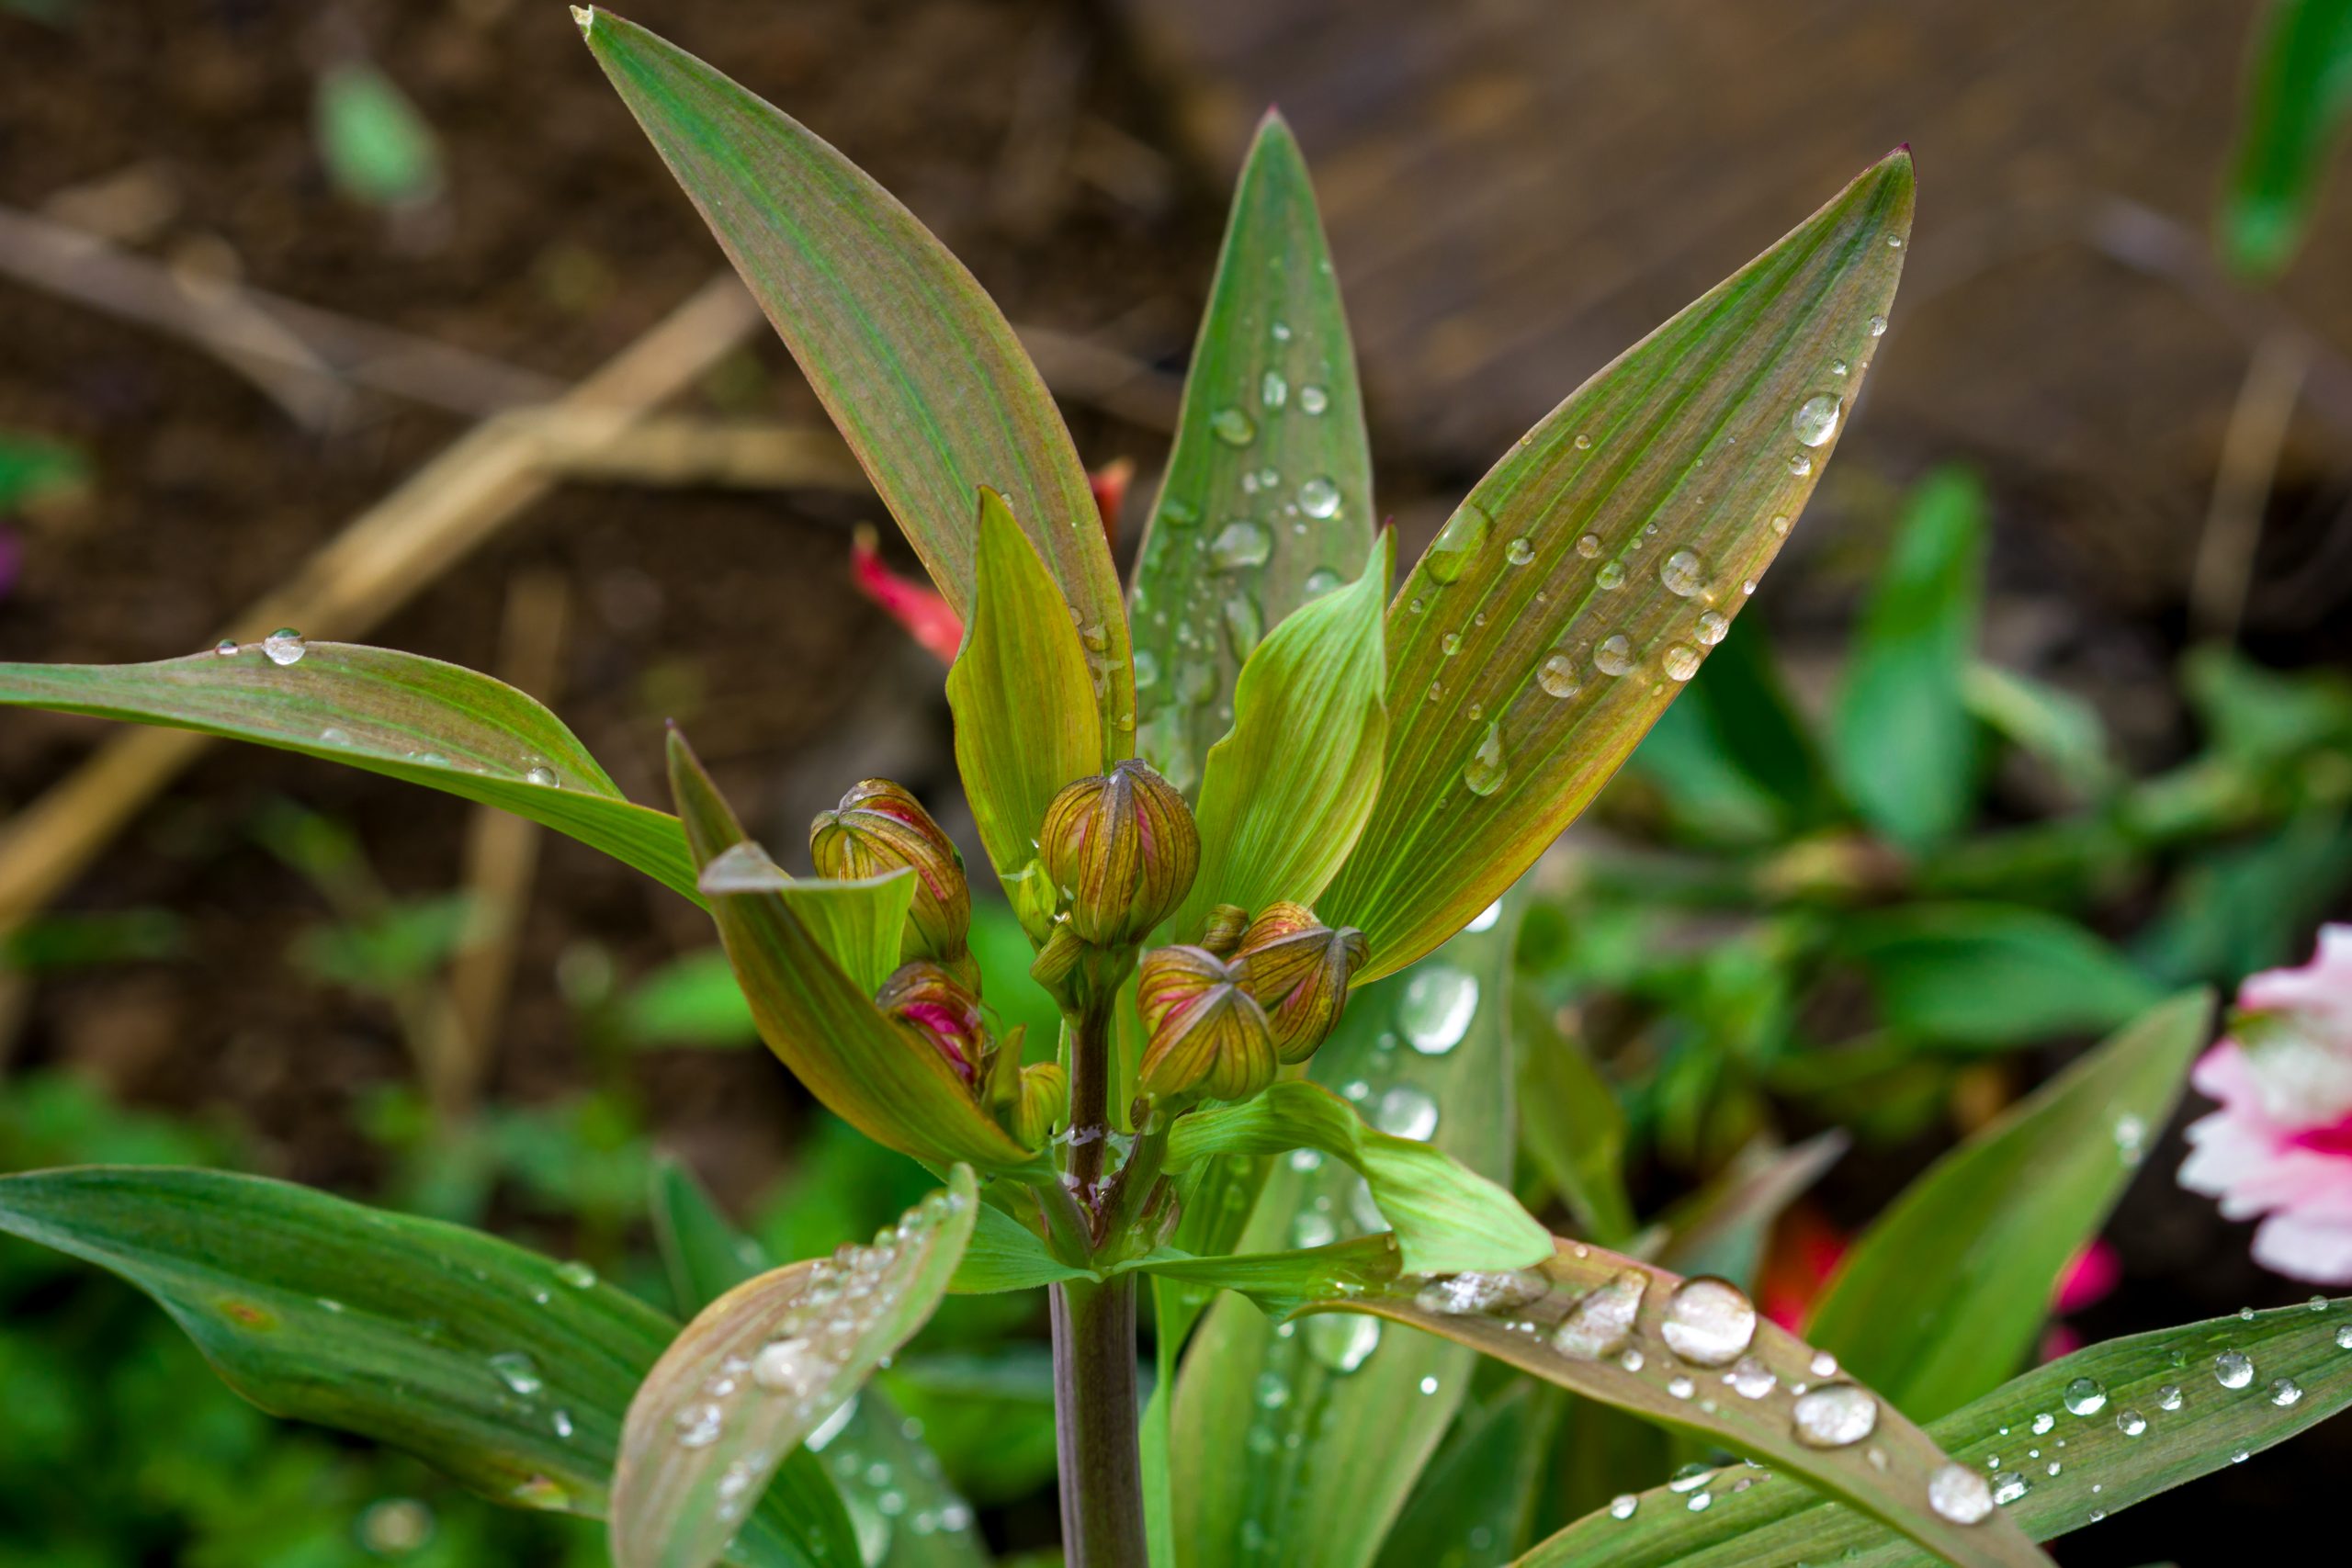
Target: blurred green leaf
<point>1945,1294</point>
<point>376,146</point>
<point>2234,908</point>
<point>1004,953</point>
<point>2261,716</point>
<point>2296,98</point>
<point>94,940</point>
<point>690,1000</point>
<point>2059,728</point>
<point>1570,1123</point>
<point>1721,1229</point>
<point>34,468</point>
<point>403,943</point>
<point>1733,756</point>
<point>989,1419</point>
<point>1901,738</point>
<point>1979,975</point>
<point>1618,534</point>
<point>1473,1505</point>
<point>1267,500</point>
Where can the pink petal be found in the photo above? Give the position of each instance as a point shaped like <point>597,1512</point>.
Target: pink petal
<point>925,616</point>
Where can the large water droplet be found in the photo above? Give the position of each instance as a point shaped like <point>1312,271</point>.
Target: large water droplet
<point>2085,1396</point>
<point>1318,497</point>
<point>1614,656</point>
<point>1877,327</point>
<point>2285,1391</point>
<point>544,776</point>
<point>1243,627</point>
<point>1519,551</point>
<point>1435,1011</point>
<point>1713,624</point>
<point>1816,420</point>
<point>2131,1423</point>
<point>1959,1493</point>
<point>1602,1320</point>
<point>284,646</point>
<point>788,1366</point>
<point>1833,1415</point>
<point>2168,1396</point>
<point>1232,427</point>
<point>516,1370</point>
<point>1709,1322</point>
<point>1458,543</point>
<point>1482,1291</point>
<point>1621,1506</point>
<point>1680,661</point>
<point>2232,1368</point>
<point>2008,1487</point>
<point>1558,677</point>
<point>1485,772</point>
<point>1321,580</point>
<point>1683,573</point>
<point>1689,1478</point>
<point>1612,575</point>
<point>1406,1112</point>
<point>1342,1340</point>
<point>1239,544</point>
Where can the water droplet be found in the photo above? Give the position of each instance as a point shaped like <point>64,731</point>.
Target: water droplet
<point>516,1370</point>
<point>1311,1229</point>
<point>1602,1320</point>
<point>1449,644</point>
<point>2043,1423</point>
<point>2343,1337</point>
<point>1835,1415</point>
<point>1878,326</point>
<point>544,776</point>
<point>1232,427</point>
<point>1318,497</point>
<point>1558,677</point>
<point>1612,575</point>
<point>1179,513</point>
<point>1482,1291</point>
<point>1342,1340</point>
<point>1406,1112</point>
<point>226,648</point>
<point>1458,543</point>
<point>284,646</point>
<point>1614,656</point>
<point>1519,551</point>
<point>1681,1387</point>
<point>1681,660</point>
<point>1486,918</point>
<point>1313,398</point>
<point>1621,1506</point>
<point>332,736</point>
<point>1588,546</point>
<point>786,1366</point>
<point>1712,626</point>
<point>1701,1502</point>
<point>2168,1396</point>
<point>1273,1391</point>
<point>2285,1391</point>
<point>1242,627</point>
<point>698,1425</point>
<point>1584,443</point>
<point>1815,420</point>
<point>1838,367</point>
<point>1751,1379</point>
<point>2240,1457</point>
<point>1435,1011</point>
<point>1321,580</point>
<point>1429,1386</point>
<point>2085,1396</point>
<point>2131,1423</point>
<point>1959,1493</point>
<point>1683,573</point>
<point>1632,1360</point>
<point>561,1422</point>
<point>1709,1322</point>
<point>1239,544</point>
<point>576,1274</point>
<point>1799,464</point>
<point>2131,1139</point>
<point>2232,1368</point>
<point>1272,391</point>
<point>2008,1487</point>
<point>1485,772</point>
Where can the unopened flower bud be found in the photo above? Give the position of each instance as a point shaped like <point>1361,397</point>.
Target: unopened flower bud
<point>1222,932</point>
<point>1297,969</point>
<point>1044,1101</point>
<point>1124,846</point>
<point>930,1005</point>
<point>1201,1029</point>
<point>878,828</point>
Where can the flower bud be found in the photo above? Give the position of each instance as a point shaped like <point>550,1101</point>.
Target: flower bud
<point>1044,1101</point>
<point>878,828</point>
<point>1201,1030</point>
<point>928,1004</point>
<point>1123,847</point>
<point>1222,932</point>
<point>1297,969</point>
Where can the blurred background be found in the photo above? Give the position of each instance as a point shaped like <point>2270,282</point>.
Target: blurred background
<point>272,271</point>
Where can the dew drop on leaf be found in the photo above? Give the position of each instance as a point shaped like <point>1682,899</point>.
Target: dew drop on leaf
<point>1318,497</point>
<point>1683,573</point>
<point>1406,1112</point>
<point>1621,1506</point>
<point>1272,391</point>
<point>1239,544</point>
<point>1815,420</point>
<point>1458,543</point>
<point>1709,1322</point>
<point>1601,1322</point>
<point>1435,1009</point>
<point>1614,656</point>
<point>1799,464</point>
<point>2008,1487</point>
<point>2131,1423</point>
<point>1519,551</point>
<point>226,648</point>
<point>284,646</point>
<point>516,1370</point>
<point>544,776</point>
<point>1485,772</point>
<point>1342,1340</point>
<point>2285,1391</point>
<point>1833,1415</point>
<point>1680,661</point>
<point>2085,1396</point>
<point>1959,1493</point>
<point>2232,1368</point>
<point>1558,677</point>
<point>1232,427</point>
<point>1313,398</point>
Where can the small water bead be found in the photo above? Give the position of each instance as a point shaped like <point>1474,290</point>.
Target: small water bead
<point>576,1274</point>
<point>1681,1387</point>
<point>1683,573</point>
<point>1272,391</point>
<point>2043,1423</point>
<point>1621,1506</point>
<point>226,648</point>
<point>1281,331</point>
<point>543,776</point>
<point>1318,497</point>
<point>2168,1397</point>
<point>1435,1011</point>
<point>284,646</point>
<point>1458,543</point>
<point>2131,1139</point>
<point>516,1370</point>
<point>1428,1385</point>
<point>1406,1112</point>
<point>1449,644</point>
<point>1751,1379</point>
<point>1519,551</point>
<point>1558,677</point>
<point>1588,546</point>
<point>2343,1337</point>
<point>1681,660</point>
<point>1712,626</point>
<point>1232,427</point>
<point>1701,1502</point>
<point>1878,326</point>
<point>2245,1315</point>
<point>1835,1415</point>
<point>1602,1320</point>
<point>1690,1478</point>
<point>1709,1322</point>
<point>1894,241</point>
<point>2285,1391</point>
<point>1799,464</point>
<point>561,1422</point>
<point>1959,1493</point>
<point>699,1425</point>
<point>2085,1396</point>
<point>1485,772</point>
<point>2240,1457</point>
<point>1313,398</point>
<point>1614,656</point>
<point>2131,1423</point>
<point>1319,581</point>
<point>786,1366</point>
<point>1179,513</point>
<point>1815,420</point>
<point>2008,1487</point>
<point>1342,1340</point>
<point>1837,368</point>
<point>2232,1368</point>
<point>1632,1360</point>
<point>332,736</point>
<point>1273,1391</point>
<point>1239,544</point>
<point>1612,575</point>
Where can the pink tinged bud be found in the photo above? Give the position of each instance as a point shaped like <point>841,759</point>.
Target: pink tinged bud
<point>1123,848</point>
<point>1221,932</point>
<point>878,828</point>
<point>1201,1030</point>
<point>928,1005</point>
<point>1298,970</point>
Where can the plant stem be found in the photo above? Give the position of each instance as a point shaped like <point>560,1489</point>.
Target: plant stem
<point>1090,1102</point>
<point>1096,1412</point>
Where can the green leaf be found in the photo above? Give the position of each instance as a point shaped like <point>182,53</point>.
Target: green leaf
<point>2293,114</point>
<point>1570,1123</point>
<point>1006,1255</point>
<point>1721,1229</point>
<point>859,921</point>
<point>690,1000</point>
<point>705,1255</point>
<point>418,719</point>
<point>990,1418</point>
<point>34,468</point>
<point>1025,722</point>
<point>1267,500</point>
<point>1313,1474</point>
<point>1290,788</point>
<point>2064,731</point>
<point>2260,717</point>
<point>376,148</point>
<point>1640,508</point>
<point>2101,1469</point>
<point>507,1370</point>
<point>1992,975</point>
<point>1574,1321</point>
<point>2235,907</point>
<point>899,1093</point>
<point>1281,1282</point>
<point>1732,757</point>
<point>910,358</point>
<point>1902,741</point>
<point>760,1369</point>
<point>1481,1490</point>
<point>1946,1292</point>
<point>1446,1216</point>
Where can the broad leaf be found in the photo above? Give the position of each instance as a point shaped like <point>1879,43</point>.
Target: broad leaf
<point>1945,1294</point>
<point>1267,500</point>
<point>504,1369</point>
<point>2292,119</point>
<point>911,358</point>
<point>1003,1255</point>
<point>1902,739</point>
<point>1025,722</point>
<point>433,724</point>
<point>1290,788</point>
<point>2189,1423</point>
<point>760,1369</point>
<point>1570,1123</point>
<point>1446,1216</point>
<point>1992,975</point>
<point>1584,577</point>
<point>860,921</point>
<point>1693,1356</point>
<point>690,1000</point>
<point>899,1091</point>
<point>1481,1490</point>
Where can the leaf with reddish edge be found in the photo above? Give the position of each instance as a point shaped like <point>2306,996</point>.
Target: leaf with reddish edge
<point>760,1369</point>
<point>1624,1332</point>
<point>902,1095</point>
<point>1641,509</point>
<point>912,360</point>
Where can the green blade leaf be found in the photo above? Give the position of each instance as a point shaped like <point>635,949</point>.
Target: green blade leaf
<point>1945,1294</point>
<point>2063,730</point>
<point>1446,1216</point>
<point>1992,975</point>
<point>1228,551</point>
<point>901,1093</point>
<point>2194,1426</point>
<point>1335,1420</point>
<point>1612,1329</point>
<point>1025,722</point>
<point>914,361</point>
<point>1483,1485</point>
<point>859,920</point>
<point>1290,788</point>
<point>1282,1282</point>
<point>433,724</point>
<point>1570,1122</point>
<point>2296,102</point>
<point>1006,1255</point>
<point>1637,510</point>
<point>1903,742</point>
<point>760,1369</point>
<point>507,1370</point>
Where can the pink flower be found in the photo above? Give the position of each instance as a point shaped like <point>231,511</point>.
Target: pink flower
<point>2281,1143</point>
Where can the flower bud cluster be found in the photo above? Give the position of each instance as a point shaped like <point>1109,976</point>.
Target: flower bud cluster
<point>1220,1023</point>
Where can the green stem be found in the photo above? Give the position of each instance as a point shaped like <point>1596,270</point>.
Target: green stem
<point>1096,1417</point>
<point>1089,1103</point>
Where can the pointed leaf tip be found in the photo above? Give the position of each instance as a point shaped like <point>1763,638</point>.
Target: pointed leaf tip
<point>586,16</point>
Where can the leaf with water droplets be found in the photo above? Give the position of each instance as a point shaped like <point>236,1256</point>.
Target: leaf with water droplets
<point>1268,492</point>
<point>1695,1355</point>
<point>437,724</point>
<point>2191,1426</point>
<point>1681,445</point>
<point>758,1370</point>
<point>411,1332</point>
<point>910,355</point>
<point>1947,1291</point>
